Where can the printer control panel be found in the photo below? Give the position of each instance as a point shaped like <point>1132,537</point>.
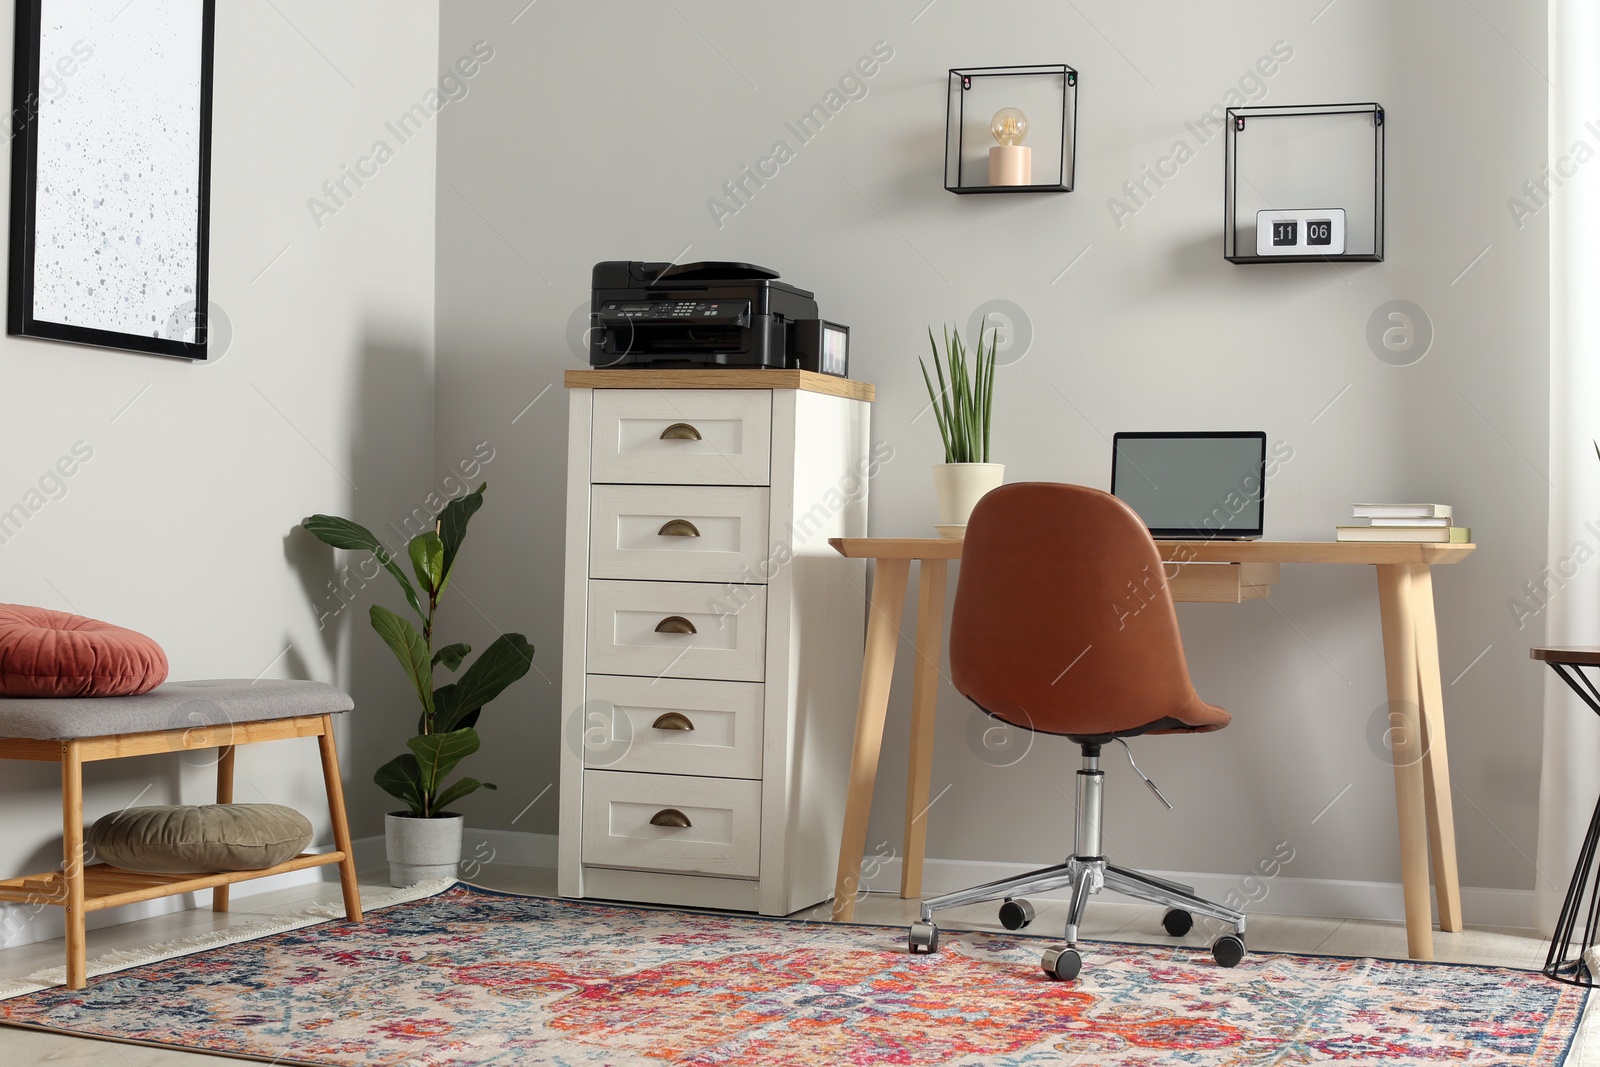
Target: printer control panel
<point>719,311</point>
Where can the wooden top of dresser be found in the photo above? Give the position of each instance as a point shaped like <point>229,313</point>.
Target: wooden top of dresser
<point>752,378</point>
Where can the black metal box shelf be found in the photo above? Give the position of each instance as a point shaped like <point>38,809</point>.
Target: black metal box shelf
<point>975,93</point>
<point>1304,158</point>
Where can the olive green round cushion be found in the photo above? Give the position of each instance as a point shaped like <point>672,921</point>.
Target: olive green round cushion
<point>204,839</point>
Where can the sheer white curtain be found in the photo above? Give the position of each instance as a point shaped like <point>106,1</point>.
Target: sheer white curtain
<point>1571,780</point>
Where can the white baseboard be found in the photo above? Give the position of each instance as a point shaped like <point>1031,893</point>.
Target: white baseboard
<point>1314,897</point>
<point>478,848</point>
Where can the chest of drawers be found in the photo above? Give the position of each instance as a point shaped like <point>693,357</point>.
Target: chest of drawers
<point>712,637</point>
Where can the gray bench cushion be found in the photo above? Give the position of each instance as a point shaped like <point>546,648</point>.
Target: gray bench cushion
<point>173,706</point>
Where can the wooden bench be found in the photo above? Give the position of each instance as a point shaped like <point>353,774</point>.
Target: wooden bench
<point>175,717</point>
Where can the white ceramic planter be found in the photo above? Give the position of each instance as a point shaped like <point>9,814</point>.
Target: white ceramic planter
<point>961,485</point>
<point>422,849</point>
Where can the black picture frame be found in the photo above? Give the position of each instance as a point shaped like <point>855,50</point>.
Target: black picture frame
<point>25,120</point>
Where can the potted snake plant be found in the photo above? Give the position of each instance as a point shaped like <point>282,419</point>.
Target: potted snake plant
<point>424,840</point>
<point>963,403</point>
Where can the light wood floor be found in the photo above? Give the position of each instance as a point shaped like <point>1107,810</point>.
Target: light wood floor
<point>1122,922</point>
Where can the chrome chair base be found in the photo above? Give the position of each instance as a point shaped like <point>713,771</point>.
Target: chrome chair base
<point>1086,873</point>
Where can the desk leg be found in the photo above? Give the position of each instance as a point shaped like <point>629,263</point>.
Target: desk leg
<point>877,669</point>
<point>72,864</point>
<point>924,707</point>
<point>219,895</point>
<point>1436,758</point>
<point>1395,601</point>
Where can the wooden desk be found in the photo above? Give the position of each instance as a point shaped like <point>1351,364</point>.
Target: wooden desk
<point>1411,657</point>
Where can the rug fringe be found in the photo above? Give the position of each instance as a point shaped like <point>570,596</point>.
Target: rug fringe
<point>373,898</point>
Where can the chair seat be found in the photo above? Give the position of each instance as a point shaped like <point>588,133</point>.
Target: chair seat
<point>173,706</point>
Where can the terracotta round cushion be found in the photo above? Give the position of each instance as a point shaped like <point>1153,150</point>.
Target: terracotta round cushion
<point>46,653</point>
<point>204,839</point>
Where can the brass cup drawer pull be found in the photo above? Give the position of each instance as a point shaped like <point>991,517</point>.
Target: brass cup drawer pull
<point>670,817</point>
<point>680,431</point>
<point>672,720</point>
<point>678,528</point>
<point>675,624</point>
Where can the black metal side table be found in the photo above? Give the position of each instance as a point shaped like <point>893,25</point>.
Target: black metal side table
<point>1565,961</point>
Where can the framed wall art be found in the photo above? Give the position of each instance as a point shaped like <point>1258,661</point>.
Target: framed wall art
<point>110,173</point>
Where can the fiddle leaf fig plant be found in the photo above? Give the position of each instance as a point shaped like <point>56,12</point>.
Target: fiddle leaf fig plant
<point>446,728</point>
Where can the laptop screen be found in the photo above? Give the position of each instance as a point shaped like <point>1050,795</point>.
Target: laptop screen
<point>1192,485</point>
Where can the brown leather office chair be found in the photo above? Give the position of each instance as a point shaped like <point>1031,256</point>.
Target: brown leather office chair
<point>1063,624</point>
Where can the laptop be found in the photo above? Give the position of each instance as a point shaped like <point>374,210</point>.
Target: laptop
<point>1193,486</point>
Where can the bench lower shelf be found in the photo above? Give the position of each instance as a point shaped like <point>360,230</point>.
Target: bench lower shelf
<point>79,888</point>
<point>105,886</point>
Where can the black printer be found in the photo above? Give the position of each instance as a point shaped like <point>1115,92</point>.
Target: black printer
<point>695,315</point>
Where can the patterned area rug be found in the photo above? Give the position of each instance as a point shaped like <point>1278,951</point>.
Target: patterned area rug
<point>474,977</point>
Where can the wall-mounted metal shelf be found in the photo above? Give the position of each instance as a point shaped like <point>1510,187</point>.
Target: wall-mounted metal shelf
<point>1046,92</point>
<point>1303,164</point>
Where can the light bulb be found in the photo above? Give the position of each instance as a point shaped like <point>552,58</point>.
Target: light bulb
<point>1009,126</point>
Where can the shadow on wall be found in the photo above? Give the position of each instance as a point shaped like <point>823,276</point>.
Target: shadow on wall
<point>390,467</point>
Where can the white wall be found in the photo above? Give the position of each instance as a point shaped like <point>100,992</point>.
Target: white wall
<point>182,523</point>
<point>601,130</point>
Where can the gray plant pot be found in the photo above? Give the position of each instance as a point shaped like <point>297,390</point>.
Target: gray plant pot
<point>421,850</point>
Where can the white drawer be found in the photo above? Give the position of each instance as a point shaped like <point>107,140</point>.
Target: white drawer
<point>674,726</point>
<point>682,436</point>
<point>723,630</point>
<point>681,533</point>
<point>701,825</point>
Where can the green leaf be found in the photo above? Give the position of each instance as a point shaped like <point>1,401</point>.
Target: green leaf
<point>506,660</point>
<point>453,528</point>
<point>940,398</point>
<point>961,397</point>
<point>444,706</point>
<point>460,788</point>
<point>438,754</point>
<point>401,777</point>
<point>451,656</point>
<point>427,559</point>
<point>986,393</point>
<point>933,400</point>
<point>409,648</point>
<point>342,533</point>
<point>446,715</point>
<point>461,719</point>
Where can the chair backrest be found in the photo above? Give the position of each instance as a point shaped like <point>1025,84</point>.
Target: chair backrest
<point>1063,622</point>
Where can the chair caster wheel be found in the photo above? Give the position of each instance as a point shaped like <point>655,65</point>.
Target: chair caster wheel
<point>924,938</point>
<point>1177,922</point>
<point>1062,964</point>
<point>1228,950</point>
<point>1015,914</point>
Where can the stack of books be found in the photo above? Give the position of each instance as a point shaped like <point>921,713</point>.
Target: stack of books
<point>1423,523</point>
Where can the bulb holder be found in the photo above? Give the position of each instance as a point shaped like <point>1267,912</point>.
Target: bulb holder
<point>1011,165</point>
